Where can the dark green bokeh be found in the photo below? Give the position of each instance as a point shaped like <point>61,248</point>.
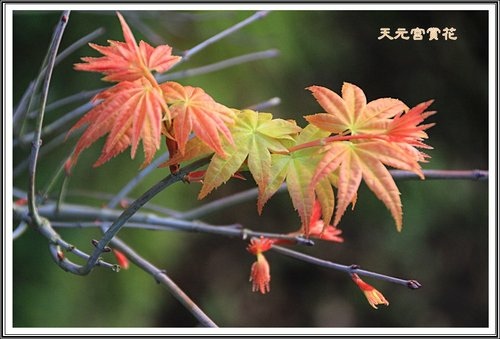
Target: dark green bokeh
<point>444,243</point>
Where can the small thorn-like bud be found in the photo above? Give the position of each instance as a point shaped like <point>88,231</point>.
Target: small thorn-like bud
<point>124,203</point>
<point>121,258</point>
<point>60,255</point>
<point>94,242</point>
<point>354,267</point>
<point>107,249</point>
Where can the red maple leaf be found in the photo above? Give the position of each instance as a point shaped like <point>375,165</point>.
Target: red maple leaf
<point>127,61</point>
<point>129,112</point>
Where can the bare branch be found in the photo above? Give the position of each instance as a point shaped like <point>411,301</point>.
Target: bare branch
<point>270,53</point>
<point>161,277</point>
<point>136,180</point>
<point>275,101</point>
<point>86,217</point>
<point>412,284</point>
<point>252,193</point>
<point>134,207</point>
<point>54,126</point>
<point>475,174</point>
<point>192,51</point>
<point>23,108</point>
<point>56,40</point>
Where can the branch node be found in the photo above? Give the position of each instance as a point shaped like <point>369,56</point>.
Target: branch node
<point>354,267</point>
<point>159,272</point>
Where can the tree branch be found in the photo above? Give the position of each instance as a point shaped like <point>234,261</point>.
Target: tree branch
<point>270,53</point>
<point>475,174</point>
<point>412,284</point>
<point>192,51</point>
<point>36,143</point>
<point>86,217</point>
<point>134,207</point>
<point>162,278</point>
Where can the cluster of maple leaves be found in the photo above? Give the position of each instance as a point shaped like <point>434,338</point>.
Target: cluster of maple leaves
<point>352,140</point>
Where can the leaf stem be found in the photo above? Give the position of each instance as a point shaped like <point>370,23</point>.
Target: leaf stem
<point>324,141</point>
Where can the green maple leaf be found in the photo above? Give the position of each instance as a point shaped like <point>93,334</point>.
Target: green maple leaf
<point>297,170</point>
<point>255,136</point>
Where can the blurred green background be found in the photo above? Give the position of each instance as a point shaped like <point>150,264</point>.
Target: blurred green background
<point>444,243</point>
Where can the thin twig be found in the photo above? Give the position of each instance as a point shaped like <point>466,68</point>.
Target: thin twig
<point>141,220</point>
<point>252,193</point>
<point>275,101</point>
<point>47,148</point>
<point>22,108</point>
<point>84,95</point>
<point>56,40</point>
<point>134,207</point>
<point>33,87</point>
<point>270,53</point>
<point>223,203</point>
<point>101,196</point>
<point>136,180</point>
<point>42,225</point>
<point>475,174</point>
<point>20,229</point>
<point>57,245</point>
<point>57,124</point>
<point>412,284</point>
<point>192,51</point>
<point>161,277</point>
<point>79,43</point>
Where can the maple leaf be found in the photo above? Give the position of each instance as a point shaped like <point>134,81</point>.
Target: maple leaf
<point>129,112</point>
<point>370,136</point>
<point>297,170</point>
<point>194,110</point>
<point>127,61</point>
<point>255,136</point>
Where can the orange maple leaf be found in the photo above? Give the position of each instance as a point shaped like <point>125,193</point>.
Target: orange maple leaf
<point>130,111</point>
<point>127,61</point>
<point>369,136</point>
<point>196,111</point>
<point>133,109</point>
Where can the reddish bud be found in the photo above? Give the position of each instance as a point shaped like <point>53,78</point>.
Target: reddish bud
<point>21,201</point>
<point>121,259</point>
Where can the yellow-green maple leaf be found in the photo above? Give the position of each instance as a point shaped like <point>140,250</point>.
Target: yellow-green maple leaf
<point>255,136</point>
<point>297,170</point>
